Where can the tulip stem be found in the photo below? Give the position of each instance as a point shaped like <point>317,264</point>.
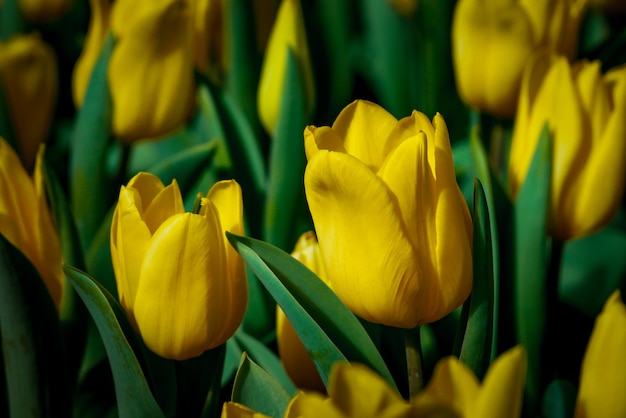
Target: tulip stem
<point>552,337</point>
<point>413,349</point>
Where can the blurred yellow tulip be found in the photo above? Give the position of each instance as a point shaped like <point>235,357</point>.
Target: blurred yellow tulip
<point>237,410</point>
<point>181,283</point>
<point>208,44</point>
<point>293,354</point>
<point>44,10</point>
<point>288,33</point>
<point>25,219</point>
<point>500,395</point>
<point>393,227</point>
<point>585,113</point>
<point>28,71</point>
<point>96,34</point>
<point>603,373</point>
<point>494,39</point>
<point>150,72</point>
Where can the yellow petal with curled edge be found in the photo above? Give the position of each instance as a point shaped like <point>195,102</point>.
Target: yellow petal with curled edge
<point>603,373</point>
<point>502,391</point>
<point>182,298</point>
<point>353,212</point>
<point>365,128</point>
<point>237,410</point>
<point>227,198</point>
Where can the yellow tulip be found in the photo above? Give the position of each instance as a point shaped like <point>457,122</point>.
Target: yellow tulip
<point>603,374</point>
<point>585,113</point>
<point>494,39</point>
<point>455,386</point>
<point>393,227</point>
<point>181,283</point>
<point>237,410</point>
<point>288,33</point>
<point>44,10</point>
<point>293,354</point>
<point>25,219</point>
<point>28,70</point>
<point>150,72</point>
<point>96,34</point>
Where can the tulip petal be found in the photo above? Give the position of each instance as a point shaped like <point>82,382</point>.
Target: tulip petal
<point>237,410</point>
<point>323,137</point>
<point>165,204</point>
<point>502,391</point>
<point>408,127</point>
<point>595,97</point>
<point>312,405</point>
<point>130,238</point>
<point>603,374</point>
<point>181,301</point>
<point>354,212</point>
<point>148,186</point>
<point>226,196</point>
<point>453,384</point>
<point>365,127</point>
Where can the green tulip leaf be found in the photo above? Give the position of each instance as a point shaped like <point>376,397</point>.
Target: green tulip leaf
<point>231,361</point>
<point>259,390</point>
<point>476,350</point>
<point>530,222</point>
<point>265,358</point>
<point>134,398</point>
<point>91,189</point>
<point>330,332</point>
<point>285,202</point>
<point>34,366</point>
<point>559,400</point>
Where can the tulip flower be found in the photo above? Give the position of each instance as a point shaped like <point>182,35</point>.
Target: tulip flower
<point>293,354</point>
<point>150,71</point>
<point>44,10</point>
<point>585,114</point>
<point>182,285</point>
<point>237,410</point>
<point>492,40</point>
<point>25,219</point>
<point>603,374</point>
<point>288,33</point>
<point>500,394</point>
<point>393,227</point>
<point>28,71</point>
<point>96,34</point>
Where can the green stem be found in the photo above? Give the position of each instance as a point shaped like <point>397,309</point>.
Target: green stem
<point>413,350</point>
<point>122,169</point>
<point>551,336</point>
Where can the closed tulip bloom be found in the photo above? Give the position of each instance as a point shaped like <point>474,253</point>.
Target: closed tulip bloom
<point>25,219</point>
<point>455,386</point>
<point>603,374</point>
<point>182,285</point>
<point>44,10</point>
<point>584,111</point>
<point>28,70</point>
<point>288,33</point>
<point>393,227</point>
<point>150,72</point>
<point>494,39</point>
<point>96,34</point>
<point>293,354</point>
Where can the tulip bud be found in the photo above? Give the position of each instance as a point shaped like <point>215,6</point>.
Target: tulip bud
<point>182,285</point>
<point>604,362</point>
<point>28,70</point>
<point>25,219</point>
<point>288,33</point>
<point>493,40</point>
<point>585,114</point>
<point>293,354</point>
<point>44,10</point>
<point>393,227</point>
<point>96,34</point>
<point>151,68</point>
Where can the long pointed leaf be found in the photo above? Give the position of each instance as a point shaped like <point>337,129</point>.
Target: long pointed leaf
<point>328,330</point>
<point>133,394</point>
